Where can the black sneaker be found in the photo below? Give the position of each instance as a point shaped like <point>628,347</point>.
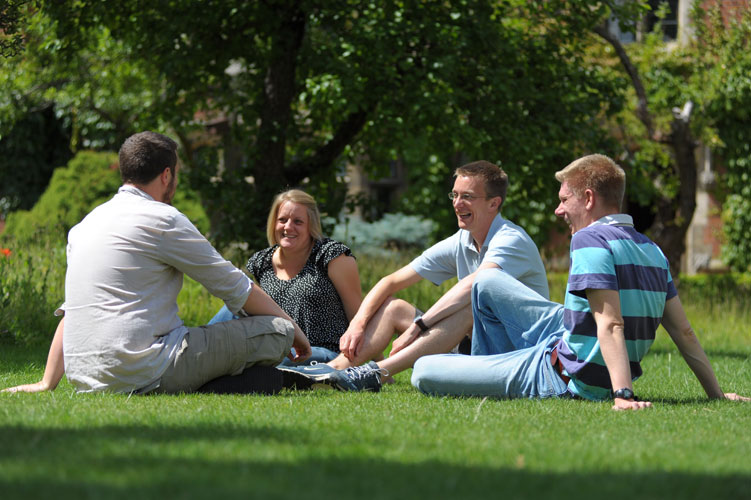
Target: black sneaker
<point>358,378</point>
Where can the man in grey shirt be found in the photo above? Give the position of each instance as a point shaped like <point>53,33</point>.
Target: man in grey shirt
<point>121,331</point>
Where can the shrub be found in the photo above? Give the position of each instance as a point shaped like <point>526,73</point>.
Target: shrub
<point>89,179</point>
<point>394,232</point>
<point>32,281</point>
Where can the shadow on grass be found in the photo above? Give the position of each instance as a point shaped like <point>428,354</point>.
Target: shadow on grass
<point>152,462</point>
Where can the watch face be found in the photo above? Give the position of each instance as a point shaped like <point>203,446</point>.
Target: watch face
<point>624,394</point>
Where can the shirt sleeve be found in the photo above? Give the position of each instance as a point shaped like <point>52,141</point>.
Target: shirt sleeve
<point>330,250</point>
<point>592,264</point>
<point>438,263</point>
<point>186,249</point>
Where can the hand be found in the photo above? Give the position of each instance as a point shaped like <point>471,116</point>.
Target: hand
<point>40,386</point>
<point>630,404</point>
<point>736,397</point>
<point>351,341</point>
<point>405,339</point>
<point>301,346</point>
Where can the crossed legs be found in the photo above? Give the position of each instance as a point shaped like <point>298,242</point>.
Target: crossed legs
<point>394,317</point>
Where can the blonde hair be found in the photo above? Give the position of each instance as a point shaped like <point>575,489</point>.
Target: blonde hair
<point>598,173</point>
<point>301,198</point>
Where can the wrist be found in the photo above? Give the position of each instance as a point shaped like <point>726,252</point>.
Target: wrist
<point>421,324</point>
<point>624,393</point>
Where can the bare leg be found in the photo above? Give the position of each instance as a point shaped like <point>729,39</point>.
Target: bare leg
<point>440,339</point>
<point>393,317</point>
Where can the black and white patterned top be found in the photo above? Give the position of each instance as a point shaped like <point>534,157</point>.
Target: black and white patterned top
<point>310,298</point>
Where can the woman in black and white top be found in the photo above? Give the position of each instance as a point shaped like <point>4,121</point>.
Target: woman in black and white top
<point>314,279</point>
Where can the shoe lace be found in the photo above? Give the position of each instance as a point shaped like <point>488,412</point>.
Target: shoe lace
<point>363,371</point>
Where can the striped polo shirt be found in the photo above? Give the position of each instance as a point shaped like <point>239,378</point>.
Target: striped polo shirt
<point>611,255</point>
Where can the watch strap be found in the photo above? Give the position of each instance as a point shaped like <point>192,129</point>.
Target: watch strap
<point>421,324</point>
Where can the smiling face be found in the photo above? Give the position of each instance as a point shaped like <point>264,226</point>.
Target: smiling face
<point>476,214</point>
<point>572,209</point>
<point>292,226</point>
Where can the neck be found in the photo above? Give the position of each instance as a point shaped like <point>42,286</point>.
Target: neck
<point>150,189</point>
<point>295,256</point>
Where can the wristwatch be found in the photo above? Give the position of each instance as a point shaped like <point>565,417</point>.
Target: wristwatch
<point>624,393</point>
<point>421,324</point>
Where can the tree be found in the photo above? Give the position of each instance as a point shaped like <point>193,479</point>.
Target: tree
<point>302,86</point>
<point>11,16</point>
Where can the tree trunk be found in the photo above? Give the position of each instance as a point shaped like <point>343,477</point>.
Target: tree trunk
<point>674,215</point>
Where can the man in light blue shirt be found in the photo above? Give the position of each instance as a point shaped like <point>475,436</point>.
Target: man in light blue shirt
<point>484,240</point>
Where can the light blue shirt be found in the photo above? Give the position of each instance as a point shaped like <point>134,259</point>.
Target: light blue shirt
<point>506,245</point>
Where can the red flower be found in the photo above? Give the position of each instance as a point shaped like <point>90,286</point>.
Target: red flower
<point>5,251</point>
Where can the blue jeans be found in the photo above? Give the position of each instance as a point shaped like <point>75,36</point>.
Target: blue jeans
<point>515,329</point>
<point>320,354</point>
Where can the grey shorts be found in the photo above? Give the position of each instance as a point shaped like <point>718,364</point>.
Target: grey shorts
<point>226,348</point>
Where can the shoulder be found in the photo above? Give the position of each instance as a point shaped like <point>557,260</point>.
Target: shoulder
<point>260,259</point>
<point>504,233</point>
<point>326,250</point>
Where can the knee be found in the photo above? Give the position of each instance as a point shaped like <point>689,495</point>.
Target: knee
<point>490,285</point>
<point>422,374</point>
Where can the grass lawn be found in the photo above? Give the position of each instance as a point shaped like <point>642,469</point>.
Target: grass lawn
<point>395,444</point>
<point>391,445</point>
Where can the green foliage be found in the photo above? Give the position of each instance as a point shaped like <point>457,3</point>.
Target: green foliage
<point>305,87</point>
<point>391,233</point>
<point>32,286</point>
<point>88,180</point>
<point>33,148</point>
<point>736,226</point>
<point>11,39</point>
<point>726,50</point>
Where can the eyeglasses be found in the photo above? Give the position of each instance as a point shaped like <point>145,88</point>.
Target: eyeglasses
<point>465,196</point>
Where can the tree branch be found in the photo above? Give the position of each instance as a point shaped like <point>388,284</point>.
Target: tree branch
<point>328,152</point>
<point>642,107</point>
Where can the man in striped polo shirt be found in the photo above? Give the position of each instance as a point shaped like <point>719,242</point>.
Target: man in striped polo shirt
<point>619,291</point>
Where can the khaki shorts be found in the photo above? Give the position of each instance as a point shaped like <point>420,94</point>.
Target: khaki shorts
<point>226,348</point>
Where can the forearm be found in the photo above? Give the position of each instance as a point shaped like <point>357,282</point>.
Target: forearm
<point>676,323</point>
<point>614,353</point>
<point>55,368</point>
<point>457,298</point>
<point>259,303</point>
<point>385,288</point>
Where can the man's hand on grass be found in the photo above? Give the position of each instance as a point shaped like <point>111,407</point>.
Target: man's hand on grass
<point>736,397</point>
<point>628,404</point>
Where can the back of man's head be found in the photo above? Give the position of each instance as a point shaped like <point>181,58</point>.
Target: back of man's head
<point>145,155</point>
<point>598,173</point>
<point>495,179</point>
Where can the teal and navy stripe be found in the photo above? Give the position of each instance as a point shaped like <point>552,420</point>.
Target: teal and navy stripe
<point>612,257</point>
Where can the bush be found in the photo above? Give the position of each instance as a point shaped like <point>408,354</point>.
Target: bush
<point>89,179</point>
<point>393,233</point>
<point>736,226</point>
<point>32,286</point>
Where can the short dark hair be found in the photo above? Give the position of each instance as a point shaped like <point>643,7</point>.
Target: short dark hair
<point>496,180</point>
<point>145,155</point>
<point>596,172</point>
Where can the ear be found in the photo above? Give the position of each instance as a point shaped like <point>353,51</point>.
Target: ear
<point>589,199</point>
<point>496,202</point>
<point>166,176</point>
